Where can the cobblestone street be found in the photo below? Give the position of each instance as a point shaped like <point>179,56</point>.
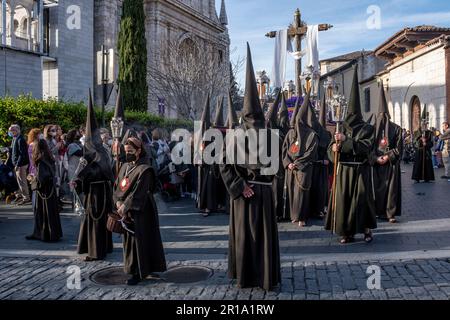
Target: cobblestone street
<point>414,256</point>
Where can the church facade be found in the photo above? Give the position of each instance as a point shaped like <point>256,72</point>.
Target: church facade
<point>58,45</point>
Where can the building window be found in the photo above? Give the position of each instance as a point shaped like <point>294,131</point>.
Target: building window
<point>220,57</point>
<point>367,100</point>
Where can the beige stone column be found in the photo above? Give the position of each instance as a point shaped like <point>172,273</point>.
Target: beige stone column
<point>12,9</point>
<point>4,22</point>
<point>447,76</point>
<point>30,40</point>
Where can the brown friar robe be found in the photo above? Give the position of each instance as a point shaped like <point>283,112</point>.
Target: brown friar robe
<point>94,239</point>
<point>254,254</point>
<point>423,163</point>
<point>47,223</point>
<point>143,251</point>
<point>302,151</point>
<point>319,186</point>
<point>387,178</point>
<point>354,203</point>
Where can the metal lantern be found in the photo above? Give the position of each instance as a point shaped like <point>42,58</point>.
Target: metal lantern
<point>335,101</point>
<point>117,127</point>
<point>311,79</point>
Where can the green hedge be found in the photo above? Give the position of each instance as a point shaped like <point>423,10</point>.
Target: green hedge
<point>33,113</point>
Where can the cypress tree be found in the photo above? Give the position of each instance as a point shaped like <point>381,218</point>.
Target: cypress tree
<point>133,56</point>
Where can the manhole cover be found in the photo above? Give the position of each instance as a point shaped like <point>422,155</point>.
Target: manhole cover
<point>110,276</point>
<point>187,274</point>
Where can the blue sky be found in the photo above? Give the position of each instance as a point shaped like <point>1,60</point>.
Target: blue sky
<point>249,20</point>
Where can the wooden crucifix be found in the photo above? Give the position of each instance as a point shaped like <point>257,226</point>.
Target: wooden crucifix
<point>298,30</point>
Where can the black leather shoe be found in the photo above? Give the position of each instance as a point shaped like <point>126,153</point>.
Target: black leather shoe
<point>134,280</point>
<point>89,259</point>
<point>31,237</point>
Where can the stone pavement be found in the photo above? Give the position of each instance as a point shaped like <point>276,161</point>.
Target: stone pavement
<point>413,256</point>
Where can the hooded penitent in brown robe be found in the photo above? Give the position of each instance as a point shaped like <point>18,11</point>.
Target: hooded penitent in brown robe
<point>95,182</point>
<point>319,185</point>
<point>47,223</point>
<point>423,161</point>
<point>220,189</point>
<point>143,251</point>
<point>354,204</point>
<point>278,181</point>
<point>300,148</point>
<point>387,176</point>
<point>208,197</point>
<point>284,127</point>
<point>254,257</point>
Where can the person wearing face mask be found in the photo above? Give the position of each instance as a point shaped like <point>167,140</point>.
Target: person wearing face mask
<point>74,152</point>
<point>47,223</point>
<point>106,139</point>
<point>133,196</point>
<point>20,161</point>
<point>51,136</point>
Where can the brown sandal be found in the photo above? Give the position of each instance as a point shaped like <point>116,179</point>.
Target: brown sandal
<point>348,239</point>
<point>368,237</point>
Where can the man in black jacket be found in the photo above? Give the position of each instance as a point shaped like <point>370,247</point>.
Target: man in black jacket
<point>20,160</point>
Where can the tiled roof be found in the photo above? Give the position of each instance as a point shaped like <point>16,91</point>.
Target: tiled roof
<point>349,56</point>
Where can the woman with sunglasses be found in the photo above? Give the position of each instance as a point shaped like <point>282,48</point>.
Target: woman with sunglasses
<point>133,196</point>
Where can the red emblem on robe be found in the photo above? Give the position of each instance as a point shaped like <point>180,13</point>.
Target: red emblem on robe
<point>294,148</point>
<point>383,142</point>
<point>124,184</point>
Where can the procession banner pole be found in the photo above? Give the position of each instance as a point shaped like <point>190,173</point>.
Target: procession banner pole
<point>335,168</point>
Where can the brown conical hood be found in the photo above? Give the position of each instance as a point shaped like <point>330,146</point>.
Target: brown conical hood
<point>206,116</point>
<point>311,118</point>
<point>294,114</point>
<point>119,111</point>
<point>92,136</point>
<point>424,113</point>
<point>232,118</point>
<point>93,150</point>
<point>302,114</point>
<point>252,114</point>
<point>323,112</point>
<point>371,119</point>
<point>283,116</point>
<point>382,104</point>
<point>271,116</point>
<point>218,122</point>
<point>354,114</point>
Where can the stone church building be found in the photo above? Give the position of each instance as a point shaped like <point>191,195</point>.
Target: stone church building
<point>57,44</point>
<point>414,65</point>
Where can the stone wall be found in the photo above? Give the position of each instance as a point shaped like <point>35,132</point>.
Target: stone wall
<point>107,14</point>
<point>20,73</point>
<point>168,22</point>
<point>422,75</point>
<point>72,47</point>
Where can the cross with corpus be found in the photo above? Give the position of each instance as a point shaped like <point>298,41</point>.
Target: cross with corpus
<point>298,30</point>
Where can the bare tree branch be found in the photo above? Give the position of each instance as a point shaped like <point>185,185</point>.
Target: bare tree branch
<point>186,74</point>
